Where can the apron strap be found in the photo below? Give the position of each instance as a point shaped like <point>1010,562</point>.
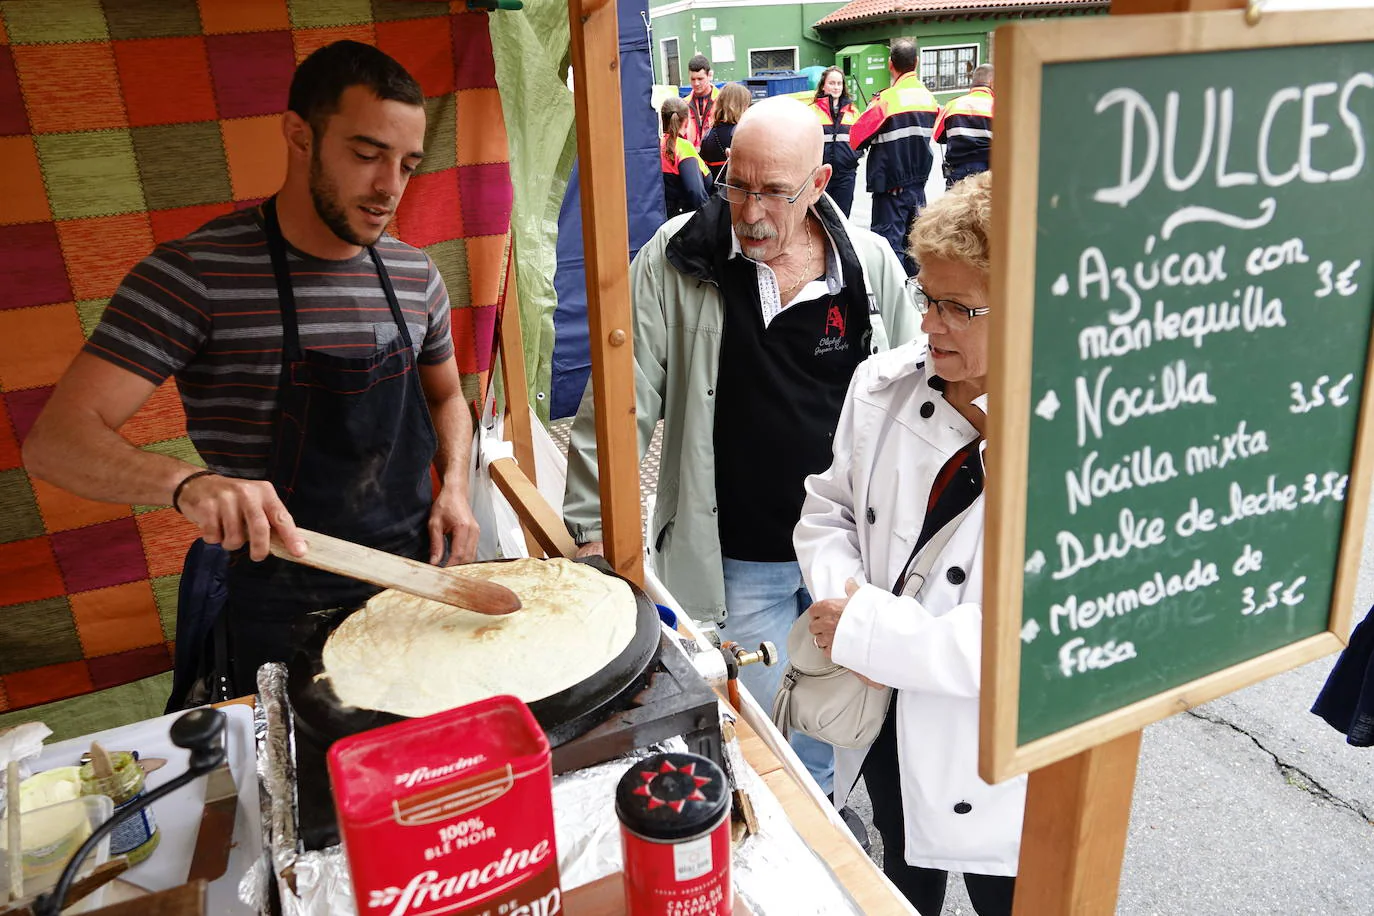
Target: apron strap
<point>286,297</point>
<point>391,297</point>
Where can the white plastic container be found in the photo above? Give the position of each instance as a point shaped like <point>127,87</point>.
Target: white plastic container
<point>51,835</point>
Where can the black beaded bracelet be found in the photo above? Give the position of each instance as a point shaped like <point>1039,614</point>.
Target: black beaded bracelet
<point>176,494</point>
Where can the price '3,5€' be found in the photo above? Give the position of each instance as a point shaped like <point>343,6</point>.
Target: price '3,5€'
<point>1332,487</point>
<point>1277,593</point>
<point>1305,399</point>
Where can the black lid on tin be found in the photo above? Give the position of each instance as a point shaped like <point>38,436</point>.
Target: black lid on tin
<point>672,796</point>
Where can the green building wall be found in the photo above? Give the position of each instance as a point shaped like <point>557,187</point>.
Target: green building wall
<point>753,26</point>
<point>790,25</point>
<point>935,34</point>
<point>929,35</point>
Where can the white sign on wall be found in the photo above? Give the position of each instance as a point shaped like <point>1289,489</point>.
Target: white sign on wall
<point>708,24</point>
<point>722,49</point>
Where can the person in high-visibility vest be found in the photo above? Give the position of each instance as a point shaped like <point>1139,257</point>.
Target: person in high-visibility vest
<point>965,127</point>
<point>685,177</point>
<point>701,104</point>
<point>837,116</point>
<point>731,105</point>
<point>897,126</point>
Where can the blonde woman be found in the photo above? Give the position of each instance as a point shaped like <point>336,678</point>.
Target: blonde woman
<point>908,464</point>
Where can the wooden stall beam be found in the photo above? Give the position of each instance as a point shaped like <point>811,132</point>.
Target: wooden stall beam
<point>859,875</point>
<point>1077,812</point>
<point>516,384</point>
<point>539,520</point>
<point>606,243</point>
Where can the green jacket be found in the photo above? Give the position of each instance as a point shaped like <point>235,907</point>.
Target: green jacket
<point>678,321</point>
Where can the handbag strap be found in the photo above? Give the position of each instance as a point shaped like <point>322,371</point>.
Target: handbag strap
<point>925,556</point>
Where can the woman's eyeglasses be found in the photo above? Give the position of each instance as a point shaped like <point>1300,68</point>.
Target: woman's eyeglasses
<point>955,314</point>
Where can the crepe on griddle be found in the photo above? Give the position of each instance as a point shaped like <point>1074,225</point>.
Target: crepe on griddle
<point>411,656</point>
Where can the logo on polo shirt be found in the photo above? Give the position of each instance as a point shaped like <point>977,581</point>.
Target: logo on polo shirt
<point>834,321</point>
<point>834,340</point>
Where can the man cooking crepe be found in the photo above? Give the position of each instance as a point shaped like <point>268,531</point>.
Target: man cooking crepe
<point>313,358</point>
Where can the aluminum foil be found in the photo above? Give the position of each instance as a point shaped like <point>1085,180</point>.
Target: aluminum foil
<point>585,826</point>
<point>775,872</point>
<point>277,771</point>
<point>307,882</point>
<point>323,885</point>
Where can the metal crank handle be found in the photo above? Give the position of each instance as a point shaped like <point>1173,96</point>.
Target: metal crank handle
<point>767,654</point>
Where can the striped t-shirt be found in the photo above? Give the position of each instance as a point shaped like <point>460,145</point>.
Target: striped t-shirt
<point>204,309</point>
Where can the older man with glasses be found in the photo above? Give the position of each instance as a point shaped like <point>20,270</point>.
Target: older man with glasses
<point>750,317</point>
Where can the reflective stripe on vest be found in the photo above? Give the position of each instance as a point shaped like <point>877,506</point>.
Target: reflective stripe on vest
<point>965,126</point>
<point>847,114</point>
<point>978,102</point>
<point>685,151</point>
<point>898,124</point>
<point>909,94</point>
<point>967,116</point>
<point>901,133</point>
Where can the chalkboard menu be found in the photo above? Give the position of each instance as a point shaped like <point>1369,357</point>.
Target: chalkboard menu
<point>1183,427</point>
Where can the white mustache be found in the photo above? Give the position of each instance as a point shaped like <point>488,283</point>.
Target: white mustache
<point>756,232</point>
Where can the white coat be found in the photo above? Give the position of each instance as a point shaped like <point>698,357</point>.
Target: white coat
<point>886,458</point>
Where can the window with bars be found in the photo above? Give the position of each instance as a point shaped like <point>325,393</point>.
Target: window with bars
<point>947,69</point>
<point>672,66</point>
<point>772,59</point>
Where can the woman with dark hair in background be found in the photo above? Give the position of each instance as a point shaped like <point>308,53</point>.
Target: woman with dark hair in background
<point>686,180</point>
<point>837,113</point>
<point>731,105</point>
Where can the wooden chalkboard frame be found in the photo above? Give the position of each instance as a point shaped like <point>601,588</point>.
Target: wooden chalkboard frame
<point>1023,51</point>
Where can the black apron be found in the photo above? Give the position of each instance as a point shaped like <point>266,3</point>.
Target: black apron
<point>352,446</point>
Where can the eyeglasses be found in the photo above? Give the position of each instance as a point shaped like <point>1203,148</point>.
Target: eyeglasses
<point>955,314</point>
<point>774,202</point>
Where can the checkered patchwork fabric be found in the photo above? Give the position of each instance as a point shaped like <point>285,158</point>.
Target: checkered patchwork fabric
<point>124,123</point>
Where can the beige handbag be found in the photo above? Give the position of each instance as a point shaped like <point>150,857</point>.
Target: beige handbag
<point>828,701</point>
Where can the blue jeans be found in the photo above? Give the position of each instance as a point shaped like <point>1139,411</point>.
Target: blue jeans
<point>762,600</point>
<point>841,190</point>
<point>960,172</point>
<point>893,213</point>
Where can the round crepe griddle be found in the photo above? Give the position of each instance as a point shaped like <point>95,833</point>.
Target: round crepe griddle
<point>564,715</point>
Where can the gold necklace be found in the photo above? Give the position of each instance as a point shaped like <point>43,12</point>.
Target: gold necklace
<point>806,268</point>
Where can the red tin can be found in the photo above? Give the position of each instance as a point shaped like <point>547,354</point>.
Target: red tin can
<point>452,813</point>
<point>674,812</point>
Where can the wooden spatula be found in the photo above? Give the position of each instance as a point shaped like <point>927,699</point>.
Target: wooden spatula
<point>405,575</point>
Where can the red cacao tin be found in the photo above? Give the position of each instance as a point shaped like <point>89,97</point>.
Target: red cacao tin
<point>452,813</point>
<point>674,812</point>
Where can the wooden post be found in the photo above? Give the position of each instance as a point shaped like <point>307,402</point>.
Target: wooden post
<point>606,242</point>
<point>1131,7</point>
<point>544,530</point>
<point>1077,812</point>
<point>516,385</point>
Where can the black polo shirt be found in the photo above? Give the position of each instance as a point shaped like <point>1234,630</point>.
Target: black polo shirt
<point>778,398</point>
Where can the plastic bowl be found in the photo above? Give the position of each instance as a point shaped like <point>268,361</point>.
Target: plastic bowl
<point>51,835</point>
